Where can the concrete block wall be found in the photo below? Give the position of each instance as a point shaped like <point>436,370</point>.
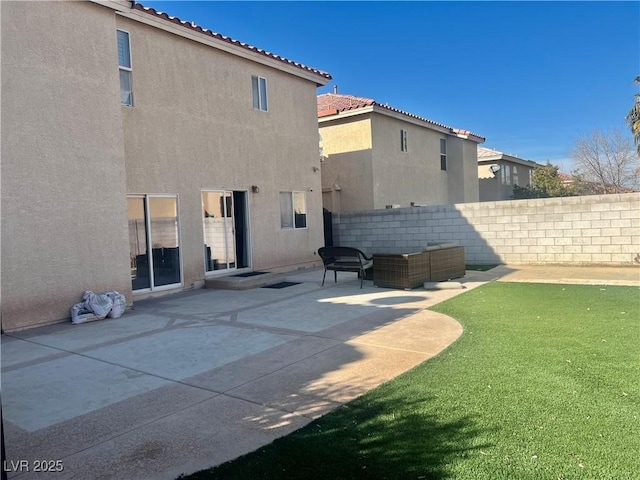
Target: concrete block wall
<point>588,230</point>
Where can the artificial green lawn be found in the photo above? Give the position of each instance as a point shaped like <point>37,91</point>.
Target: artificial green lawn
<point>543,384</point>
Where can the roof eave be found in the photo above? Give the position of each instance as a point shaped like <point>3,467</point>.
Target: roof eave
<point>327,116</point>
<point>471,136</point>
<point>503,158</point>
<point>126,9</point>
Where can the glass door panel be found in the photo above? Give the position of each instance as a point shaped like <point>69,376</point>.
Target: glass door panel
<point>219,242</point>
<point>163,234</point>
<point>230,233</point>
<point>153,241</point>
<point>139,260</point>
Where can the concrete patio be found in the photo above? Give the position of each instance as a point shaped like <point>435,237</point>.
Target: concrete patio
<point>188,381</point>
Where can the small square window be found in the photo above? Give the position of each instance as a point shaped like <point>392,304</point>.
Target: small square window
<point>293,210</point>
<point>259,89</point>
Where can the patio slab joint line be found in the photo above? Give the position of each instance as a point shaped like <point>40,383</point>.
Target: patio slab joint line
<point>101,360</point>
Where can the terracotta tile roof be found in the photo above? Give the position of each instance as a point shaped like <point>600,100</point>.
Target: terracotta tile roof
<point>196,28</point>
<point>341,103</point>
<point>333,103</point>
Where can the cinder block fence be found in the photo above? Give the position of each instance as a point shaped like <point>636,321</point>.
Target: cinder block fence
<point>588,230</point>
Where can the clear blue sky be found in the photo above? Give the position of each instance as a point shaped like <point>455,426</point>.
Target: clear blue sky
<point>528,76</point>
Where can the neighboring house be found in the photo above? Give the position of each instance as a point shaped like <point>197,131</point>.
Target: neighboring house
<point>498,172</point>
<point>579,186</point>
<point>142,153</point>
<point>377,156</point>
<point>566,178</point>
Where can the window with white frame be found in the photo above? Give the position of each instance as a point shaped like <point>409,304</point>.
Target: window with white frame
<point>530,176</point>
<point>259,89</point>
<point>293,210</point>
<point>124,66</point>
<point>443,154</point>
<point>506,174</point>
<point>403,140</point>
<point>515,175</point>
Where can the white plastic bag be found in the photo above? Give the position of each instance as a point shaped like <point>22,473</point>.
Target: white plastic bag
<point>119,304</point>
<point>79,314</point>
<point>100,305</point>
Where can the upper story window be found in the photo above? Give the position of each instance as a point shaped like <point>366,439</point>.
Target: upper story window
<point>403,141</point>
<point>124,65</point>
<point>515,175</point>
<point>530,176</point>
<point>506,174</point>
<point>259,88</point>
<point>293,210</point>
<point>443,154</point>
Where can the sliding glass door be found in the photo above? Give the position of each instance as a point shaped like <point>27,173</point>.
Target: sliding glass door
<point>154,242</point>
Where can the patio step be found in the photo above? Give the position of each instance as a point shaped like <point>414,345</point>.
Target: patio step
<point>245,281</point>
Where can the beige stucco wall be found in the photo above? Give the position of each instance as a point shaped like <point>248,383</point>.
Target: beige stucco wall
<point>415,175</point>
<point>66,136</point>
<point>471,192</point>
<point>411,176</point>
<point>64,221</point>
<point>365,158</point>
<point>348,164</point>
<point>462,174</point>
<point>193,127</point>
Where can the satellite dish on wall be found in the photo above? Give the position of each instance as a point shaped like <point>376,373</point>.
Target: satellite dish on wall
<point>495,168</point>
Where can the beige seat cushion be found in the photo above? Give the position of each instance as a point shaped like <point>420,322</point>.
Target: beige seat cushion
<point>440,246</point>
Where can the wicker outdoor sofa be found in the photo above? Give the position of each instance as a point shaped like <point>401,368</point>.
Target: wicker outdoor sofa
<point>410,270</point>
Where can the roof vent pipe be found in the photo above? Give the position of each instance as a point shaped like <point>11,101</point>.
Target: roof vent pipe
<point>335,89</point>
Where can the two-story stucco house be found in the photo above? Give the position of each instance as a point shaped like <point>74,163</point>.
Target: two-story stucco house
<point>378,156</point>
<point>498,172</point>
<point>143,154</point>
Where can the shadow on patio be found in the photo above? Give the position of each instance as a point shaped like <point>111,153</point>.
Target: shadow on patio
<point>192,380</point>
